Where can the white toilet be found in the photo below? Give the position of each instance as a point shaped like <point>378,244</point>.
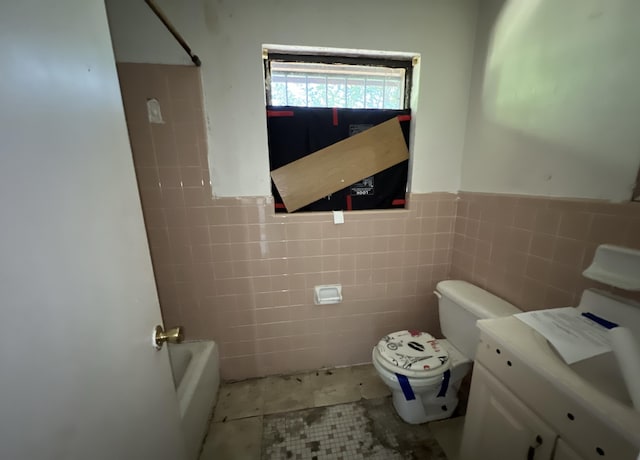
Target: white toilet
<point>425,373</point>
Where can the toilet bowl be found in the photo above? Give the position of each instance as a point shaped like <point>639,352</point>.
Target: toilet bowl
<point>424,373</point>
<point>434,395</point>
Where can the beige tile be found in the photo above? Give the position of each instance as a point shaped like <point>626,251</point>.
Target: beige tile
<point>240,367</point>
<point>173,198</point>
<point>575,225</point>
<point>369,382</point>
<point>448,433</point>
<point>524,217</point>
<point>533,294</point>
<point>335,386</point>
<point>569,252</point>
<point>542,245</point>
<point>538,269</point>
<point>273,344</point>
<point>147,177</point>
<point>199,235</point>
<point>287,393</point>
<point>446,208</point>
<point>237,215</point>
<point>274,363</point>
<point>238,348</point>
<point>273,315</point>
<point>557,298</point>
<point>197,196</point>
<point>191,176</point>
<point>547,221</point>
<point>234,440</point>
<point>608,229</point>
<point>151,198</point>
<point>238,400</point>
<point>170,177</point>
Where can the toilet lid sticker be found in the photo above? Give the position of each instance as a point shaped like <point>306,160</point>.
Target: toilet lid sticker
<point>407,362</point>
<point>435,346</point>
<point>412,350</point>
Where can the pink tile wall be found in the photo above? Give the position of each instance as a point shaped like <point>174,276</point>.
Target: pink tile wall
<point>265,267</point>
<point>532,250</point>
<point>231,270</point>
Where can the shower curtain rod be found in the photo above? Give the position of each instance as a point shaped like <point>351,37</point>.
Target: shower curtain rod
<point>195,59</point>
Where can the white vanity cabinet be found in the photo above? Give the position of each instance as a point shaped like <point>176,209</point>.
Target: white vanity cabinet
<point>525,403</point>
<point>564,452</point>
<point>499,426</point>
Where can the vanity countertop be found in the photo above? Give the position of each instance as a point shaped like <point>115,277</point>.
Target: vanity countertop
<point>605,399</point>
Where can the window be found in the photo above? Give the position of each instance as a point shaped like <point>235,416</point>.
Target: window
<point>334,85</point>
<point>303,80</point>
<point>315,100</point>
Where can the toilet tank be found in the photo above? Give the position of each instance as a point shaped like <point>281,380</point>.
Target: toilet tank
<point>460,305</point>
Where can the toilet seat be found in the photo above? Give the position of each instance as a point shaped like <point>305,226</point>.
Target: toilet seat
<point>413,354</point>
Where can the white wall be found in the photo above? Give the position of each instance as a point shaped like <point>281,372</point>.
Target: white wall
<point>139,36</point>
<point>555,106</point>
<point>227,35</point>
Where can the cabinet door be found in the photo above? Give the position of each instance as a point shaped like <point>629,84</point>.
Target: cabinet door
<point>499,426</point>
<point>564,452</point>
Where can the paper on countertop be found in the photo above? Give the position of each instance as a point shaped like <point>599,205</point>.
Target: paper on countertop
<point>574,336</point>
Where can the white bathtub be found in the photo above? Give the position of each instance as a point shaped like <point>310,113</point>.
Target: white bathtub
<point>196,374</point>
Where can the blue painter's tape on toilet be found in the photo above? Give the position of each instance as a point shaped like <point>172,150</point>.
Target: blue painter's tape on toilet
<point>406,387</point>
<point>445,384</point>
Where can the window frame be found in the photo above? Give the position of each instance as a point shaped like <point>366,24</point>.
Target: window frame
<point>286,54</point>
<point>397,62</point>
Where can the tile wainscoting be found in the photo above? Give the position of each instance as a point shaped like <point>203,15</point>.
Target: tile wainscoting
<point>255,293</point>
<point>532,250</point>
<point>231,270</point>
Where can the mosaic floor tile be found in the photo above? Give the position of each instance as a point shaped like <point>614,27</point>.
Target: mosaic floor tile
<point>343,413</point>
<point>367,429</point>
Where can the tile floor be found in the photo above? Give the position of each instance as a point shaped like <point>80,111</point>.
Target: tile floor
<point>343,413</point>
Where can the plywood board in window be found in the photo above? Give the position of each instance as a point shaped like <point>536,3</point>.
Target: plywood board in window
<point>342,164</point>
